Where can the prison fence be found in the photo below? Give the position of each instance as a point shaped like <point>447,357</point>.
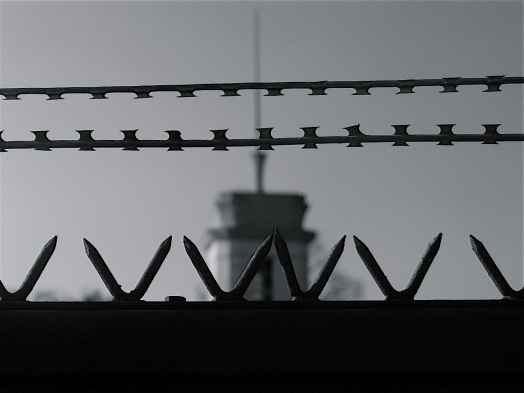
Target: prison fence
<point>255,264</point>
<point>396,338</point>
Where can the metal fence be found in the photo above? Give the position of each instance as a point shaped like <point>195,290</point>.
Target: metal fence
<point>400,335</point>
<point>354,137</point>
<point>254,265</point>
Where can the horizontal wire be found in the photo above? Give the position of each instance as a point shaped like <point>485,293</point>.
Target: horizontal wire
<point>405,86</point>
<point>41,143</point>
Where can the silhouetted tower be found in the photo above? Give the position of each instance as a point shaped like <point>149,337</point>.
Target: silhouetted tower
<point>246,218</point>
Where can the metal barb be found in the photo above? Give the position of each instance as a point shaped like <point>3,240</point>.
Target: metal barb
<point>407,294</point>
<point>423,267</point>
<point>130,139</point>
<point>493,83</point>
<point>202,269</point>
<point>490,134</point>
<point>400,131</point>
<point>220,138</point>
<point>374,268</point>
<point>324,275</point>
<point>313,293</point>
<point>251,269</point>
<point>287,265</point>
<point>354,132</point>
<point>245,278</point>
<point>143,284</point>
<point>355,137</point>
<point>450,84</point>
<point>174,138</point>
<point>309,132</point>
<point>265,134</point>
<point>32,276</point>
<point>86,138</point>
<point>152,269</point>
<point>41,139</point>
<point>405,86</point>
<point>446,132</point>
<point>493,271</point>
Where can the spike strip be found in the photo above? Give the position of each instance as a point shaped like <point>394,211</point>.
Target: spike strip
<point>245,278</point>
<point>494,272</point>
<point>32,276</point>
<point>313,293</point>
<point>112,284</point>
<point>391,294</point>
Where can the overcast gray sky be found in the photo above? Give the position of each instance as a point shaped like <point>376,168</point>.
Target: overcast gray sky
<point>395,199</point>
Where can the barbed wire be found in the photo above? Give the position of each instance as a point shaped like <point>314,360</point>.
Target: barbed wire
<point>492,83</point>
<point>309,140</point>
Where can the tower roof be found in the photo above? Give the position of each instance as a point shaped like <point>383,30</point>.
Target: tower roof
<point>254,215</point>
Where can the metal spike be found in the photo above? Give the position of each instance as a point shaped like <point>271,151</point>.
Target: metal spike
<point>202,269</point>
<point>37,268</point>
<point>491,268</point>
<point>374,268</point>
<point>103,271</point>
<point>423,267</point>
<point>251,269</point>
<point>324,275</point>
<point>151,271</point>
<point>287,265</point>
<point>33,275</point>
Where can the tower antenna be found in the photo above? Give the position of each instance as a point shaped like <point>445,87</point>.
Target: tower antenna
<point>259,157</point>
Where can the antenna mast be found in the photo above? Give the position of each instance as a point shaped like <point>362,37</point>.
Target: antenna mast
<point>258,156</point>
